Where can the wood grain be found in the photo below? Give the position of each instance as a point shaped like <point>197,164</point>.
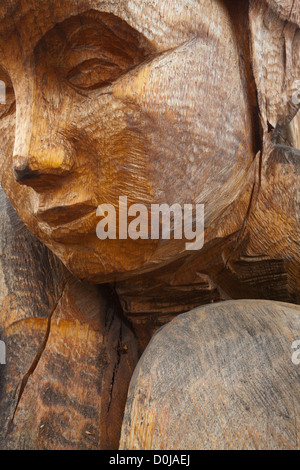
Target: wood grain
<point>218,377</point>
<point>111,104</point>
<point>69,355</point>
<point>168,101</point>
<point>163,102</point>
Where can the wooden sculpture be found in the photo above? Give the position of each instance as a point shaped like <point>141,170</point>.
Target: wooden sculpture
<point>161,102</point>
<point>194,106</point>
<point>70,356</point>
<point>218,377</point>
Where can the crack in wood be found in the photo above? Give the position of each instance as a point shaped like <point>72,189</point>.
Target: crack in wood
<point>119,353</point>
<point>35,362</point>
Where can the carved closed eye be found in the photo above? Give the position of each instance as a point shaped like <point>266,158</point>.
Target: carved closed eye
<point>92,50</point>
<point>94,73</point>
<point>7,95</point>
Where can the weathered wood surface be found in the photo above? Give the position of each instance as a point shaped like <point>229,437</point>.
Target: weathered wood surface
<point>288,10</point>
<point>169,101</point>
<point>218,377</point>
<point>70,357</point>
<point>262,258</point>
<point>163,102</point>
<point>85,133</point>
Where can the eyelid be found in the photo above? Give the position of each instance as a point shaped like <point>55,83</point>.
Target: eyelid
<point>96,72</point>
<point>89,65</point>
<point>92,50</point>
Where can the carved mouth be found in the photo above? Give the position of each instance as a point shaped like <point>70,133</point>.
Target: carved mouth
<point>62,215</point>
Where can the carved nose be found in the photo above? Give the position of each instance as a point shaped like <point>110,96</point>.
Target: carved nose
<point>24,173</point>
<point>39,179</point>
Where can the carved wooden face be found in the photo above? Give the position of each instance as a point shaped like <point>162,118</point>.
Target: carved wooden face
<point>110,99</point>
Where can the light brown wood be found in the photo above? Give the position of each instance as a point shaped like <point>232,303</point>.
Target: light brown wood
<point>218,377</point>
<point>162,101</point>
<point>69,355</point>
<point>192,106</point>
<point>85,133</point>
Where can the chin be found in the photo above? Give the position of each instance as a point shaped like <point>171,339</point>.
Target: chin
<point>100,262</point>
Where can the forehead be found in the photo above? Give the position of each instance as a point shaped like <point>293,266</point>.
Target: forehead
<point>166,23</point>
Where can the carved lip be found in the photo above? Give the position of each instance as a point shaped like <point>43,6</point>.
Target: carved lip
<point>63,215</point>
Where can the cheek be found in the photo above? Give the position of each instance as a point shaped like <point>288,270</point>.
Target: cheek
<point>125,168</point>
<point>193,111</point>
<point>115,150</point>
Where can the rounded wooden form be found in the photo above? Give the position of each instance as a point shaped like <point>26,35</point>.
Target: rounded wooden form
<point>223,376</point>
